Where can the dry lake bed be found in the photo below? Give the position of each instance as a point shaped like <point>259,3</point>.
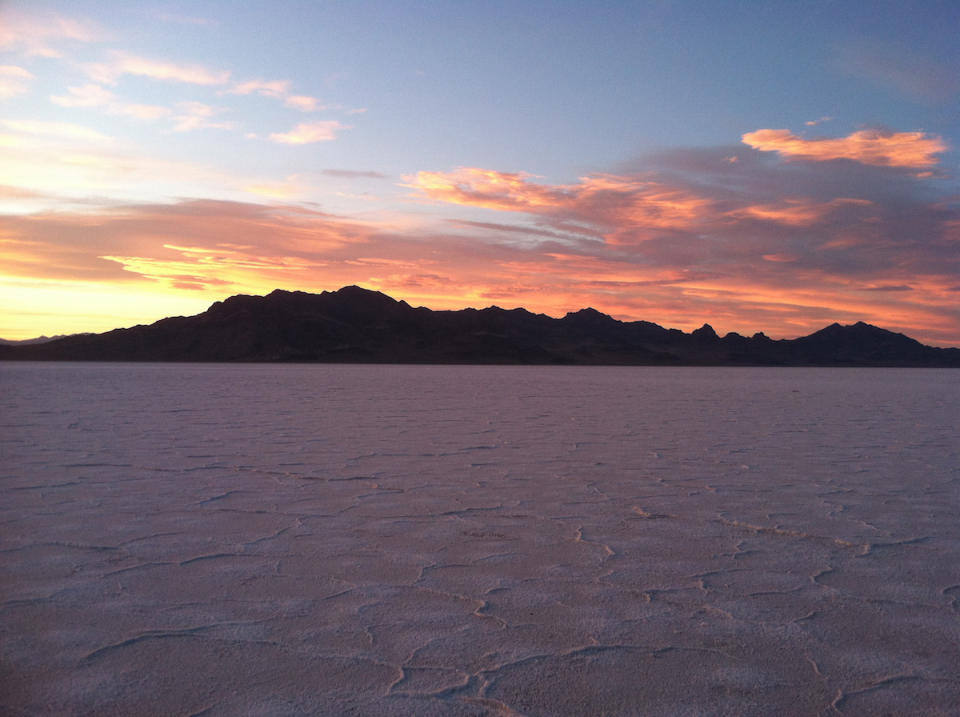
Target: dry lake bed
<point>438,540</point>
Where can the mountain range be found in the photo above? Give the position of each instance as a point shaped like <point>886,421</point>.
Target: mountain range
<point>356,325</point>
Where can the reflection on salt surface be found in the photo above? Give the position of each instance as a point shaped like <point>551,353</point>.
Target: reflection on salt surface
<point>269,539</point>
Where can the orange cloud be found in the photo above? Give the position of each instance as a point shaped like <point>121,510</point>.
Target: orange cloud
<point>795,212</point>
<point>873,147</point>
<point>489,188</point>
<point>625,204</point>
<point>310,132</point>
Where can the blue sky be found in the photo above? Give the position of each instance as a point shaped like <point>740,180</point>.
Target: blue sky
<point>762,166</point>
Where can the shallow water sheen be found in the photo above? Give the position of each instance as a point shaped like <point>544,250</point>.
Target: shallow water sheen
<point>284,540</point>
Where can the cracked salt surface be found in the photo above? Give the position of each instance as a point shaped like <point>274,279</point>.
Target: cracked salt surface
<point>398,540</point>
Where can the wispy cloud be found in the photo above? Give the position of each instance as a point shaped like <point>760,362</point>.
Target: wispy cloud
<point>353,174</point>
<point>92,95</point>
<point>196,115</point>
<point>310,132</point>
<point>795,212</point>
<point>268,88</point>
<point>13,80</point>
<point>278,89</point>
<point>43,34</point>
<point>874,147</point>
<point>304,103</point>
<point>62,130</point>
<point>124,63</point>
<point>621,209</point>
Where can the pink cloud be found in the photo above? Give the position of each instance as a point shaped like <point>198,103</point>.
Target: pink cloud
<point>873,147</point>
<point>92,95</point>
<point>62,130</point>
<point>795,212</point>
<point>123,63</point>
<point>42,35</point>
<point>268,88</point>
<point>310,132</point>
<point>603,200</point>
<point>304,103</point>
<point>196,115</point>
<point>13,80</point>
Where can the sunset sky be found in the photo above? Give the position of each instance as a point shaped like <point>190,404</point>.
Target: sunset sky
<point>772,166</point>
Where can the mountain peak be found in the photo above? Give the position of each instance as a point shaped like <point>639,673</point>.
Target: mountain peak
<point>704,332</point>
<point>589,315</point>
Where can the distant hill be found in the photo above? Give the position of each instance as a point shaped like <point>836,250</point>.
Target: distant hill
<point>355,325</point>
<point>37,340</point>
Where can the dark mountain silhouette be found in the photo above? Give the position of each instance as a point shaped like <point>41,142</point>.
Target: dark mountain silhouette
<point>37,340</point>
<point>355,325</point>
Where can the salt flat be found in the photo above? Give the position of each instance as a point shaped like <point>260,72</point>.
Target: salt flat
<point>291,540</point>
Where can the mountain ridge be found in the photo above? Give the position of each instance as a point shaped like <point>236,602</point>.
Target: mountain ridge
<point>357,325</point>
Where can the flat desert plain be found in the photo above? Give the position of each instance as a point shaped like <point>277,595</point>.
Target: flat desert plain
<point>436,540</point>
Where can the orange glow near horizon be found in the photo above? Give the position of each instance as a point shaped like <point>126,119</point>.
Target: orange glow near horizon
<point>187,256</point>
<point>639,247</point>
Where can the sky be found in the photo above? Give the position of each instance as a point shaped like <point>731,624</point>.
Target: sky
<point>759,166</point>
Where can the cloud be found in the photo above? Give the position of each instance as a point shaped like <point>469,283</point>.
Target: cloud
<point>279,89</point>
<point>78,171</point>
<point>795,212</point>
<point>679,238</point>
<point>310,132</point>
<point>758,237</point>
<point>196,115</point>
<point>13,80</point>
<point>62,130</point>
<point>10,192</point>
<point>167,242</point>
<point>288,189</point>
<point>304,103</point>
<point>267,88</point>
<point>92,95</point>
<point>620,209</point>
<point>814,123</point>
<point>894,287</point>
<point>353,174</point>
<point>41,34</point>
<point>123,63</point>
<point>873,147</point>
